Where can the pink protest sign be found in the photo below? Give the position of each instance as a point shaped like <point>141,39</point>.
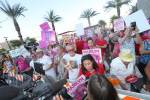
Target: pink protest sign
<point>42,43</point>
<point>78,89</point>
<point>88,32</point>
<point>45,26</point>
<point>118,24</point>
<point>48,36</point>
<point>96,54</point>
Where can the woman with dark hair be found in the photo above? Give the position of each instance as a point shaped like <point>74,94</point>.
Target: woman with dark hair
<point>99,88</point>
<point>89,66</point>
<point>92,46</point>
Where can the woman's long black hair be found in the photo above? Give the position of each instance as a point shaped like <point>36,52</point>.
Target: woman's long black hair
<point>88,57</point>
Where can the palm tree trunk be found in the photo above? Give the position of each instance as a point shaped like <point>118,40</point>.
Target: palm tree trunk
<point>118,12</point>
<point>89,22</point>
<point>18,30</point>
<point>53,27</point>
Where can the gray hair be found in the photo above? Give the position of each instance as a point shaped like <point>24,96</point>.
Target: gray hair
<point>60,46</point>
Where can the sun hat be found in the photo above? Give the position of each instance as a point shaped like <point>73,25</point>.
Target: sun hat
<point>126,55</point>
<point>39,50</point>
<point>115,40</point>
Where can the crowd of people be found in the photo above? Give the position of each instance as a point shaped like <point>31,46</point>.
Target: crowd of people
<point>65,61</point>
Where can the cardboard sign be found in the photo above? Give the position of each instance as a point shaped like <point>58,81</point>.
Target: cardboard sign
<point>118,24</point>
<point>96,54</point>
<point>19,51</point>
<point>42,43</point>
<point>14,53</point>
<point>79,29</point>
<point>48,36</point>
<point>70,39</point>
<point>88,32</point>
<point>140,19</point>
<point>22,51</point>
<point>45,26</point>
<point>78,89</point>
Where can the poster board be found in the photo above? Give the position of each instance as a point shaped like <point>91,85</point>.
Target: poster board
<point>78,89</point>
<point>79,29</point>
<point>69,39</point>
<point>118,24</point>
<point>45,26</point>
<point>48,36</point>
<point>96,54</point>
<point>140,20</point>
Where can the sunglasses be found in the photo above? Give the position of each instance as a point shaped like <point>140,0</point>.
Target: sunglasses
<point>71,50</point>
<point>32,56</point>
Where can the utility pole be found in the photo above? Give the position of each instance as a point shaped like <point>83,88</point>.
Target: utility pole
<point>7,43</point>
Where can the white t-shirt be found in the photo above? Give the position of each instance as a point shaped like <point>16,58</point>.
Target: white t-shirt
<point>120,70</point>
<point>32,64</point>
<point>46,60</point>
<point>8,65</point>
<point>74,62</point>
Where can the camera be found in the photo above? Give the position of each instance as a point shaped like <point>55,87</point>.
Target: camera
<point>133,25</point>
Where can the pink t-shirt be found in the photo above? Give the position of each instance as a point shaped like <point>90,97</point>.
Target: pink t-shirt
<point>22,64</point>
<point>85,46</point>
<point>116,50</point>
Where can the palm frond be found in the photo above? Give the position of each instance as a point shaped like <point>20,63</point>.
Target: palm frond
<point>12,12</point>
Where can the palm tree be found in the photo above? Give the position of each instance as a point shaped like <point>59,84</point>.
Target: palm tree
<point>113,18</point>
<point>101,23</point>
<point>53,18</point>
<point>88,13</point>
<point>116,4</point>
<point>133,9</point>
<point>13,12</point>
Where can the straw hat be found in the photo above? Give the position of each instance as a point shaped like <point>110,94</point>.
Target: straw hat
<point>39,50</point>
<point>126,55</point>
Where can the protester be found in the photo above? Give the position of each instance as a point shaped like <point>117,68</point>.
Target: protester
<point>107,49</point>
<point>30,69</point>
<point>85,45</point>
<point>116,50</point>
<point>62,72</point>
<point>47,64</point>
<point>99,88</point>
<point>122,67</point>
<point>8,63</point>
<point>145,57</point>
<point>101,43</point>
<point>127,42</point>
<point>89,66</point>
<point>23,65</point>
<point>111,44</point>
<point>95,38</point>
<point>92,46</point>
<point>79,45</point>
<point>72,62</point>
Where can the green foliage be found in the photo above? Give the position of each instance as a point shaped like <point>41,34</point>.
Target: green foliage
<point>101,23</point>
<point>2,49</point>
<point>113,18</point>
<point>13,12</point>
<point>31,39</point>
<point>117,4</point>
<point>133,9</point>
<point>52,17</point>
<point>15,43</point>
<point>88,13</point>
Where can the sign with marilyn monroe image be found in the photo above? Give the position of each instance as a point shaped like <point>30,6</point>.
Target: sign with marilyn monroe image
<point>96,54</point>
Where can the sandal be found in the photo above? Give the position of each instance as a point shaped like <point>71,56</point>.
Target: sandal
<point>146,88</point>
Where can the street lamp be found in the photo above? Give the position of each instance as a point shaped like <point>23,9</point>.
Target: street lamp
<point>7,43</point>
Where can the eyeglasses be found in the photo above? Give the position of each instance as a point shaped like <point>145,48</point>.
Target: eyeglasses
<point>71,50</point>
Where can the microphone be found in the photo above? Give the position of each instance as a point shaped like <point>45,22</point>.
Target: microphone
<point>8,92</point>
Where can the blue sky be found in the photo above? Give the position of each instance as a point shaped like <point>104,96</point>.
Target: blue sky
<point>69,10</point>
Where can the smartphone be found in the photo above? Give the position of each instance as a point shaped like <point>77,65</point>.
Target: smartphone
<point>133,24</point>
